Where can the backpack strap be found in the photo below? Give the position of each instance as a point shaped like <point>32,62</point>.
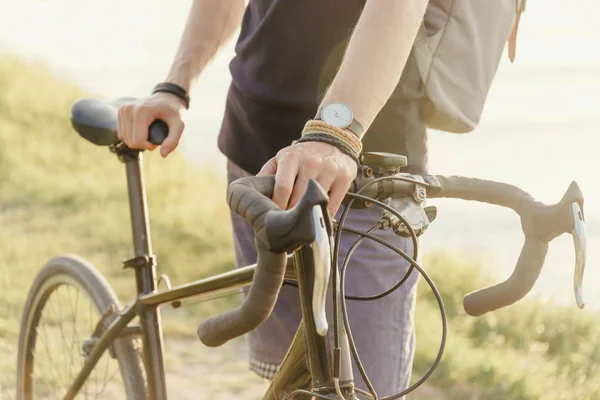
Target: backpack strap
<point>512,39</point>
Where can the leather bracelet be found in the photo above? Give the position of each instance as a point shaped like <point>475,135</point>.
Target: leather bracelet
<point>175,90</point>
<point>332,140</point>
<point>317,126</point>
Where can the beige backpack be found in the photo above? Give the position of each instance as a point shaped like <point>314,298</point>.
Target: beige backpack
<point>458,50</point>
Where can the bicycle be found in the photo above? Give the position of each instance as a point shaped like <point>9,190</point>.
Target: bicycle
<point>298,246</point>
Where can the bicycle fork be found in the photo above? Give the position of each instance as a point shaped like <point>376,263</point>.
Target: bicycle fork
<point>311,359</point>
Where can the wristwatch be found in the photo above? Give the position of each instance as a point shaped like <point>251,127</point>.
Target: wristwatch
<point>340,115</point>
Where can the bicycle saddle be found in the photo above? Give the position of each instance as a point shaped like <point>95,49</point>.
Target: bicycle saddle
<point>96,120</point>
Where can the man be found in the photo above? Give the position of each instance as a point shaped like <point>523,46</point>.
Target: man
<point>294,59</point>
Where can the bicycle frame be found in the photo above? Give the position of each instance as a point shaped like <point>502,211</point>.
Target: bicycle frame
<point>307,345</point>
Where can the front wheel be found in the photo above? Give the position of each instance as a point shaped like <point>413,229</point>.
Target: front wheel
<point>65,303</point>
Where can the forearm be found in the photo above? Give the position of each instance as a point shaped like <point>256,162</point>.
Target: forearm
<point>376,55</point>
<point>209,26</point>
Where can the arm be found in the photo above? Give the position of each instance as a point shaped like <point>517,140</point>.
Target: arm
<point>209,26</point>
<point>376,55</point>
<point>368,74</point>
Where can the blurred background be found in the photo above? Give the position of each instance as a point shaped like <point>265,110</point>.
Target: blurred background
<point>539,131</point>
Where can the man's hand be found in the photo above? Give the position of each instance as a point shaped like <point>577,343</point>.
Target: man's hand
<point>134,119</point>
<point>295,165</point>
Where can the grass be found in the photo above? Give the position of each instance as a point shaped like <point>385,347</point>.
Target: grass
<point>530,350</point>
<point>60,194</point>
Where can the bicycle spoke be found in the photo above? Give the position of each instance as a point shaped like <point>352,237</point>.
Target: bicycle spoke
<point>72,313</point>
<point>55,327</point>
<point>51,369</point>
<point>52,365</point>
<point>60,327</point>
<point>45,340</point>
<point>67,364</point>
<point>80,340</point>
<point>63,334</point>
<point>110,380</point>
<point>76,326</point>
<point>94,372</point>
<point>105,376</point>
<point>105,373</point>
<point>78,351</point>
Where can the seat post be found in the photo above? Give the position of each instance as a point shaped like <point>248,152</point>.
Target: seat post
<point>140,224</point>
<point>145,272</point>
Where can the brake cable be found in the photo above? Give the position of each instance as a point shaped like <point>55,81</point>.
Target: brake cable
<point>437,296</point>
<point>413,236</point>
<point>335,286</point>
<point>413,264</point>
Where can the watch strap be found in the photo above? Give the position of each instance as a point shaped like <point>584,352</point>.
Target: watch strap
<point>355,127</point>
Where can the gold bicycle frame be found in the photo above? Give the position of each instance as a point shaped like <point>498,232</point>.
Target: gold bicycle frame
<point>307,363</point>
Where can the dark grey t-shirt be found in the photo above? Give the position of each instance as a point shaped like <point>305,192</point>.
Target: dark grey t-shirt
<point>286,56</point>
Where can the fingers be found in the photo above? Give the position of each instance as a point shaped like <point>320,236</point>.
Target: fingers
<point>134,120</point>
<point>323,172</point>
<point>337,192</point>
<point>176,126</point>
<point>295,166</point>
<point>142,118</point>
<point>125,122</point>
<point>120,124</point>
<point>327,182</point>
<point>299,188</point>
<point>285,177</point>
<point>269,168</point>
<point>334,181</point>
<point>132,127</point>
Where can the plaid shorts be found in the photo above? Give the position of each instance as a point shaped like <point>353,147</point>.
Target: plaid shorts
<point>263,369</point>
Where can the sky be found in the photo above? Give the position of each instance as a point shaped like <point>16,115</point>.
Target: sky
<point>539,130</point>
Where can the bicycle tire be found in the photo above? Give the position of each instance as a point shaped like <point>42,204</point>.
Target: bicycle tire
<point>79,273</point>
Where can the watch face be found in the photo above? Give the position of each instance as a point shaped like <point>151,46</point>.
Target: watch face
<point>337,114</point>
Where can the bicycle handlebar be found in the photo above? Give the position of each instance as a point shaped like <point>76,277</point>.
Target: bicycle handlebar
<point>276,232</point>
<point>158,132</point>
<point>540,222</point>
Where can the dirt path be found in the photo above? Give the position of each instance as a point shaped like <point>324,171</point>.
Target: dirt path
<point>198,372</point>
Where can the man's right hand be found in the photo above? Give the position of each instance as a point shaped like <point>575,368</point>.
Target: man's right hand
<point>134,119</point>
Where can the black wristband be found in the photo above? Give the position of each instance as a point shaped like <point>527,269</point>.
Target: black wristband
<point>175,90</point>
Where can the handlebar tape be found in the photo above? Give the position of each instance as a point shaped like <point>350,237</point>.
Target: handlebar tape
<point>251,199</point>
<point>513,289</point>
<point>540,222</point>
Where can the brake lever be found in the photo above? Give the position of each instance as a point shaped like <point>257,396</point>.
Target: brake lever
<point>580,242</point>
<point>321,248</point>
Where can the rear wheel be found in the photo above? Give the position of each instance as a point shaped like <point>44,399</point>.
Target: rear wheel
<point>65,303</point>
